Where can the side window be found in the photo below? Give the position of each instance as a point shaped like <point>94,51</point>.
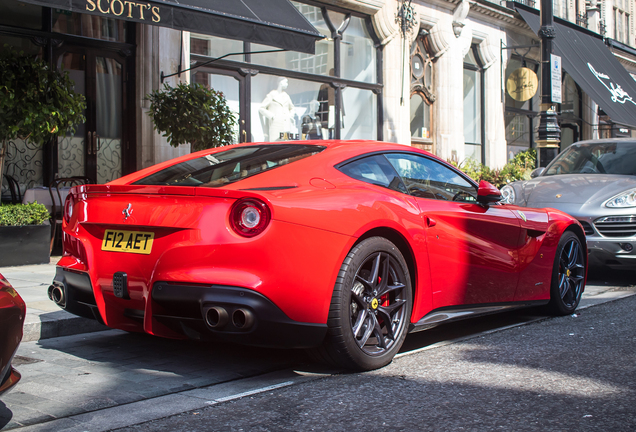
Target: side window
<point>426,178</point>
<point>375,170</point>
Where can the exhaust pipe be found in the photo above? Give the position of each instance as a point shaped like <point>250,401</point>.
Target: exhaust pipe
<point>216,317</point>
<point>56,293</point>
<point>243,319</point>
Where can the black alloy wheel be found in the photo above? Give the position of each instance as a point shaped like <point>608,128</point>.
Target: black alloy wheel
<point>568,275</point>
<point>370,308</point>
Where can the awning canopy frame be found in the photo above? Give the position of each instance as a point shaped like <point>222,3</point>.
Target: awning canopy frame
<point>592,66</point>
<point>274,23</point>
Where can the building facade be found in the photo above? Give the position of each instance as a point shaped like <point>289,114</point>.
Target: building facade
<point>435,74</point>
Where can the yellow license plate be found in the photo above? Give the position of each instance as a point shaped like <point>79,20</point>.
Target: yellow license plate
<point>128,241</point>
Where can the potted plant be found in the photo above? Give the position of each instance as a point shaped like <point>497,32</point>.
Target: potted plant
<point>37,104</point>
<point>192,114</point>
<point>24,234</point>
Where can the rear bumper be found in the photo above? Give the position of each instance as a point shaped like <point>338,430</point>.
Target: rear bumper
<point>181,310</point>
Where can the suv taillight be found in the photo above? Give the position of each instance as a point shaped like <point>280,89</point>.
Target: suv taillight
<point>249,217</point>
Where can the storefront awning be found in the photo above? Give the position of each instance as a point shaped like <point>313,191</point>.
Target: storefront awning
<point>273,22</point>
<point>594,68</point>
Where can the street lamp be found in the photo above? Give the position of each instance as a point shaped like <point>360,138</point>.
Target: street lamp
<point>548,130</point>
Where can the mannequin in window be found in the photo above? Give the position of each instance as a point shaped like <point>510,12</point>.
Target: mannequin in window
<point>311,123</point>
<point>277,110</point>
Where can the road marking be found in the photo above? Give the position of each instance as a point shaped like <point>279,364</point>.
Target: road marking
<point>250,392</point>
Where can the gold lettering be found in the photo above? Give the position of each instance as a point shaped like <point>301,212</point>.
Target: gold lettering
<point>141,10</point>
<point>112,7</point>
<point>155,14</point>
<point>130,6</point>
<point>90,4</point>
<point>99,6</point>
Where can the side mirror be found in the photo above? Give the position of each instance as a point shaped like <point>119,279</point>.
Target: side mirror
<point>487,193</point>
<point>537,172</point>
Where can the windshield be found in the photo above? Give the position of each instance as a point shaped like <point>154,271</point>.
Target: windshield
<point>230,166</point>
<point>596,158</point>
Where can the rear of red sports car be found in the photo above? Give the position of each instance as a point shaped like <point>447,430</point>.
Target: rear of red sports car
<point>12,315</point>
<point>196,249</point>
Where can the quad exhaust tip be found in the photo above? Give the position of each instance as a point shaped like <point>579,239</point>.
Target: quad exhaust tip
<point>216,317</point>
<point>56,293</point>
<point>243,319</point>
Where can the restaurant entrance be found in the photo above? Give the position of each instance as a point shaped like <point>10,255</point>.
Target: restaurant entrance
<point>98,147</point>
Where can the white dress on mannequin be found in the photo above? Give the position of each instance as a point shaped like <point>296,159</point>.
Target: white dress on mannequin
<point>278,111</point>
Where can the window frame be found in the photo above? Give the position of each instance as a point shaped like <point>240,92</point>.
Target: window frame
<point>384,153</point>
<point>482,105</point>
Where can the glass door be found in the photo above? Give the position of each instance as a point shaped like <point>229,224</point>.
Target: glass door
<point>95,150</point>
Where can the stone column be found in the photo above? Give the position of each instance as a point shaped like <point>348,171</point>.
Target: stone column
<point>450,41</point>
<point>495,144</point>
<point>158,50</point>
<point>397,73</point>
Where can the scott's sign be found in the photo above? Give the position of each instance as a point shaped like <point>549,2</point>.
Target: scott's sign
<point>125,9</point>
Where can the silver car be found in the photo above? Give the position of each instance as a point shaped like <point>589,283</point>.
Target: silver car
<point>594,181</point>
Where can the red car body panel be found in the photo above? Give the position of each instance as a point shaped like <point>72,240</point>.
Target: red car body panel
<point>461,253</point>
<point>12,315</point>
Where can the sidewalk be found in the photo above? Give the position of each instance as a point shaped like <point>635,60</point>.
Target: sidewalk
<point>46,320</point>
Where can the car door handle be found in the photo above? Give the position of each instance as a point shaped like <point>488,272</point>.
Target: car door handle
<point>430,222</point>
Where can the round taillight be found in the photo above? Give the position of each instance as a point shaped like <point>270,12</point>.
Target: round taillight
<point>68,207</point>
<point>249,217</point>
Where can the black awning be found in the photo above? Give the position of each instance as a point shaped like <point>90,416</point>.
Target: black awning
<point>594,68</point>
<point>272,22</point>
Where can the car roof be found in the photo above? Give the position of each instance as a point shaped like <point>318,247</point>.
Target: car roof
<point>630,141</point>
<point>337,151</point>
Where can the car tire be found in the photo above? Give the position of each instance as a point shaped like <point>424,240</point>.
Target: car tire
<point>568,276</point>
<point>358,336</point>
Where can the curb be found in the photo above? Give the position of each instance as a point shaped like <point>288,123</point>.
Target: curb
<point>56,324</point>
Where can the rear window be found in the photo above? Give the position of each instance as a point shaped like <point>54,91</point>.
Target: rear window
<point>230,166</point>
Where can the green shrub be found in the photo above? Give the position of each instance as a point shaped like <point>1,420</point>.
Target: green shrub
<point>23,214</point>
<point>519,168</point>
<point>192,114</point>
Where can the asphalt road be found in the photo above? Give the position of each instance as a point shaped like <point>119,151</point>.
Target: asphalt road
<point>519,371</point>
<point>573,373</point>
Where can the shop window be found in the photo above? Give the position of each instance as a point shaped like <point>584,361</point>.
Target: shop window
<point>358,114</point>
<point>422,96</point>
<point>320,63</point>
<point>570,118</point>
<point>473,106</point>
<point>212,46</point>
<point>91,26</point>
<point>522,98</point>
<point>292,95</point>
<point>357,52</point>
<point>282,108</point>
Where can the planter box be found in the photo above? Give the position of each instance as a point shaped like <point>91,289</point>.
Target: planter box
<point>22,245</point>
